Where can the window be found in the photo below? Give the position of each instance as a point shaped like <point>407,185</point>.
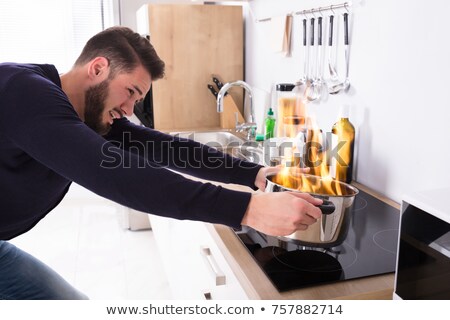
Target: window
<point>50,31</point>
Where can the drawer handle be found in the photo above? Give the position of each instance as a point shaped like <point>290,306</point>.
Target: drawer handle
<point>213,267</point>
<point>207,295</point>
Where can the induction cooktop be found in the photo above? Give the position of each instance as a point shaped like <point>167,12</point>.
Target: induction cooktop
<point>370,248</point>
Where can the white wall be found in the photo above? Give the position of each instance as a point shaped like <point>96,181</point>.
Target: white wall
<point>128,10</point>
<point>399,97</point>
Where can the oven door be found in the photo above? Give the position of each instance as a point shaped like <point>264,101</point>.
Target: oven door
<point>423,261</point>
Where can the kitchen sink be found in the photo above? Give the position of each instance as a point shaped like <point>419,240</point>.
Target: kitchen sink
<point>215,139</point>
<point>228,142</point>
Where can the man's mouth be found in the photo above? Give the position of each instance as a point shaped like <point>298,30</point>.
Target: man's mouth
<point>114,114</point>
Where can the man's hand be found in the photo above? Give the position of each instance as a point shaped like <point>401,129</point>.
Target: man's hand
<point>260,181</point>
<point>281,213</point>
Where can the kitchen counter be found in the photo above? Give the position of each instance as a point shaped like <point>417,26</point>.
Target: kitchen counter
<point>257,286</point>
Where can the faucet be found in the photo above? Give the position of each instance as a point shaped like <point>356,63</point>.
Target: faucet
<point>248,126</point>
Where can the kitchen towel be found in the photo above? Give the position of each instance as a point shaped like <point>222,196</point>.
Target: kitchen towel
<point>280,34</point>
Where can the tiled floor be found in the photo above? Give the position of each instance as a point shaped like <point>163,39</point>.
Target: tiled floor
<point>84,240</point>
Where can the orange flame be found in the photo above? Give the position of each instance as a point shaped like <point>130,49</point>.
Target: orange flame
<point>319,180</point>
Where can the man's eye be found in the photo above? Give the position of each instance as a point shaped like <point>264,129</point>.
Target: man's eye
<point>131,92</point>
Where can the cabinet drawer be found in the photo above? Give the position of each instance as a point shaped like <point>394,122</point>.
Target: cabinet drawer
<point>195,267</point>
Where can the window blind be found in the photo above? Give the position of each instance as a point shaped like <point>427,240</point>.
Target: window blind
<point>50,31</point>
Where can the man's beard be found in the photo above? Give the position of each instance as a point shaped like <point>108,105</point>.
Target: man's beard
<point>95,98</point>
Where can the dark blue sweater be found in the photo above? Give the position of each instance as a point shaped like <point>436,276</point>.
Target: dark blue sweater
<point>44,146</point>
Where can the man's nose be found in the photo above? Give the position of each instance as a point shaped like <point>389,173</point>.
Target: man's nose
<point>128,107</point>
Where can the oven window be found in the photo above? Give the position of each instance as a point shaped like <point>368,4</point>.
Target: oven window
<point>424,256</point>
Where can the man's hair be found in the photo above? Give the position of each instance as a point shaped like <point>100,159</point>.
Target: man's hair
<point>125,50</point>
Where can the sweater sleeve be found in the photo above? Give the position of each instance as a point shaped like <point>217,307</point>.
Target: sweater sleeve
<point>45,126</point>
<point>183,155</point>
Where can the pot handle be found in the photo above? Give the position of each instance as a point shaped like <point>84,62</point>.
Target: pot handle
<point>327,207</point>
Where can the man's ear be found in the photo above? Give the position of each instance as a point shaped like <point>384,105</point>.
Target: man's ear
<point>98,69</point>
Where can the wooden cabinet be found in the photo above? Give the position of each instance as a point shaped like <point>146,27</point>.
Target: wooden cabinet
<point>195,42</point>
<point>195,267</point>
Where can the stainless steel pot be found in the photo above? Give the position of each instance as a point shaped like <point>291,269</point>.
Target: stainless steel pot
<point>331,229</point>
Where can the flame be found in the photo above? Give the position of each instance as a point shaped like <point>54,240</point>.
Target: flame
<point>291,179</point>
<point>319,180</point>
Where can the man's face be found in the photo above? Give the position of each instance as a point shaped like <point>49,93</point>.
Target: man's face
<point>114,98</point>
<point>95,105</point>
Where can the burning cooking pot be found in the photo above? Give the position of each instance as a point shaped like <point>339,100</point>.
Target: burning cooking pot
<point>331,229</point>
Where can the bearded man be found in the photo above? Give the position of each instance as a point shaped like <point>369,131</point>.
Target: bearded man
<point>58,129</point>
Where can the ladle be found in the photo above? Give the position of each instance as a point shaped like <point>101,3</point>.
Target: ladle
<point>311,89</point>
<point>333,74</point>
<point>346,84</point>
<point>302,81</point>
<point>318,83</point>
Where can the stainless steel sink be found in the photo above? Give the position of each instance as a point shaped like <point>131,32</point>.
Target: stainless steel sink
<point>228,142</point>
<point>215,139</point>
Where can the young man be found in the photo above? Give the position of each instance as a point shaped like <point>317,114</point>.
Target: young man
<point>55,129</point>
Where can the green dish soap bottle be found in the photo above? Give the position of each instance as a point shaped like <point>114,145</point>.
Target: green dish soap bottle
<point>269,128</point>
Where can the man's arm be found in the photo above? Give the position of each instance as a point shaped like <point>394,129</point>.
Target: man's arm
<point>182,155</point>
<point>45,126</point>
<point>275,214</point>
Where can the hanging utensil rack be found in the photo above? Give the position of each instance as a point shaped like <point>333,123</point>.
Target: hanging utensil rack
<point>345,5</point>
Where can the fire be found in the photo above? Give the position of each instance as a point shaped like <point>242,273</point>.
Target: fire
<point>319,180</point>
<point>290,179</point>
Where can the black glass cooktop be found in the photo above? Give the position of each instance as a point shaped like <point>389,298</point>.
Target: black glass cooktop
<point>369,249</point>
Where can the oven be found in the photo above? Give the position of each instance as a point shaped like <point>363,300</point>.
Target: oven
<point>423,264</point>
<point>369,249</point>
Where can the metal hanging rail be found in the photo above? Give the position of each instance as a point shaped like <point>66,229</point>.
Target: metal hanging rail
<point>344,5</point>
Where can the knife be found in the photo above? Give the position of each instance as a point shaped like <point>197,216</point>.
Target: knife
<point>212,89</point>
<point>217,82</point>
